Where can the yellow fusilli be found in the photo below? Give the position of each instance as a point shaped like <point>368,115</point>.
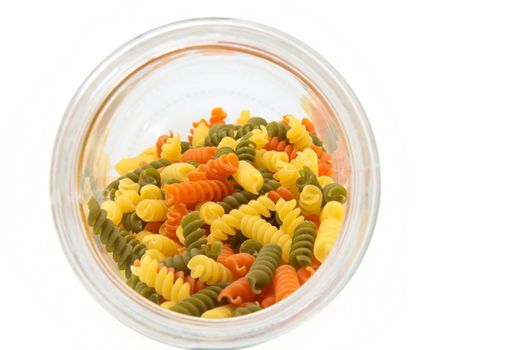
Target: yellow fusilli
<point>152,210</point>
<point>244,117</point>
<point>311,200</point>
<point>150,192</point>
<point>289,214</point>
<point>271,160</point>
<point>228,142</point>
<point>155,254</point>
<point>226,224</point>
<point>210,211</point>
<point>126,184</point>
<point>248,177</point>
<point>260,137</point>
<point>171,149</point>
<point>325,180</point>
<point>208,270</point>
<point>333,209</point>
<point>259,229</point>
<point>113,210</point>
<point>331,224</point>
<point>127,201</point>
<point>162,280</point>
<point>224,311</point>
<point>199,135</point>
<point>307,158</point>
<point>297,135</point>
<point>177,171</point>
<point>287,176</point>
<point>126,165</point>
<point>163,244</point>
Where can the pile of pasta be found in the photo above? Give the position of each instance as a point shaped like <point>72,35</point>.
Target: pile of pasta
<point>231,221</point>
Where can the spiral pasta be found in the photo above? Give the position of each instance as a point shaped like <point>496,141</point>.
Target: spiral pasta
<point>288,176</point>
<point>248,177</point>
<point>245,150</point>
<point>306,158</point>
<point>271,160</point>
<point>239,264</point>
<point>113,211</point>
<point>217,116</point>
<point>301,252</point>
<point>259,137</point>
<point>176,171</point>
<point>194,234</point>
<point>250,246</point>
<point>227,223</point>
<point>334,192</point>
<point>208,270</point>
<point>246,309</point>
<point>280,192</point>
<point>277,129</point>
<point>224,311</point>
<point>126,165</point>
<point>325,161</point>
<point>274,144</point>
<point>126,184</point>
<point>124,247</point>
<point>163,244</point>
<point>236,199</point>
<point>218,132</point>
<point>200,155</point>
<point>161,279</point>
<point>151,191</point>
<point>210,211</point>
<point>195,192</point>
<point>152,210</point>
<point>127,201</point>
<point>259,229</point>
<point>131,222</point>
<point>226,251</point>
<point>134,175</point>
<point>331,223</point>
<point>325,180</point>
<point>199,135</point>
<point>238,292</point>
<point>155,254</point>
<point>297,135</point>
<point>311,200</point>
<point>310,127</point>
<point>141,288</point>
<point>267,296</point>
<point>171,149</point>
<point>228,142</point>
<point>161,140</point>
<point>305,273</point>
<point>263,268</point>
<point>232,221</point>
<point>289,215</point>
<point>149,176</point>
<point>333,209</point>
<point>285,282</point>
<point>222,167</point>
<point>180,262</point>
<point>244,116</point>
<point>202,301</point>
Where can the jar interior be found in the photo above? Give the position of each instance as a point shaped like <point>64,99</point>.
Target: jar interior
<point>172,91</point>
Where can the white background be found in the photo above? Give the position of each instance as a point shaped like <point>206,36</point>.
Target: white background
<point>443,84</point>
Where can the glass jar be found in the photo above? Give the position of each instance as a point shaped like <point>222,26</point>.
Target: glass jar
<point>176,74</point>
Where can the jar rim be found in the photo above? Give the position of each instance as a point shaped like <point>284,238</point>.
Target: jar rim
<point>162,324</point>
